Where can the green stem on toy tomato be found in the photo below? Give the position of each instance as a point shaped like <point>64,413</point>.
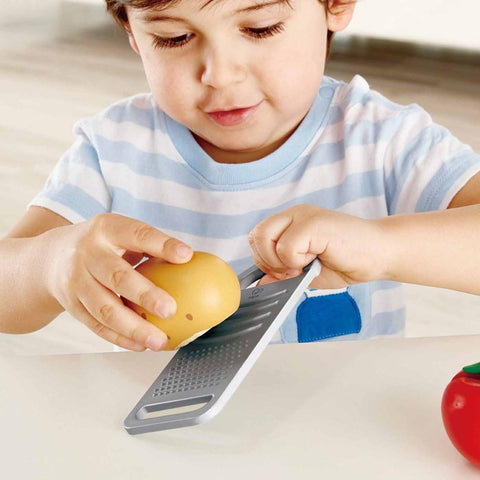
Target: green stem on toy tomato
<point>475,368</point>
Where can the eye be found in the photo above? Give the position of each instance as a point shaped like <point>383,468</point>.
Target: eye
<point>264,32</point>
<point>171,42</point>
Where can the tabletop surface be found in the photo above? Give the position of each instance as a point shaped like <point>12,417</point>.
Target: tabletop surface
<point>342,410</point>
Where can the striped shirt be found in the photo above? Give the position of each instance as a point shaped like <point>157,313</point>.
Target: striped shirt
<point>355,152</point>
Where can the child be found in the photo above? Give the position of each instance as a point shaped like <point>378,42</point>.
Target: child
<point>244,149</point>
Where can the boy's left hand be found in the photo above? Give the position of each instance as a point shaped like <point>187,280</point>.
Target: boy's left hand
<point>349,247</point>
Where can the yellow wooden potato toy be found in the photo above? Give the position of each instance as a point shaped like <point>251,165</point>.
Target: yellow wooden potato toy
<point>206,289</point>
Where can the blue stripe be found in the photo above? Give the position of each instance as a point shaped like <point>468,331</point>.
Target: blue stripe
<point>388,323</point>
<point>335,115</point>
<point>160,166</point>
<point>366,132</point>
<point>436,189</point>
<point>149,118</point>
<point>76,199</point>
<point>155,165</point>
<point>405,161</point>
<point>160,215</point>
<point>84,155</point>
<point>363,96</point>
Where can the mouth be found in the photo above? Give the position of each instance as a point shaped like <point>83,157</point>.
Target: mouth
<point>233,116</point>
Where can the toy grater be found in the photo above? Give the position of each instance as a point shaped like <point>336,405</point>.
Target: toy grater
<point>202,376</point>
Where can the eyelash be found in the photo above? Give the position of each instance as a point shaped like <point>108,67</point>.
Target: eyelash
<point>255,33</point>
<point>264,32</point>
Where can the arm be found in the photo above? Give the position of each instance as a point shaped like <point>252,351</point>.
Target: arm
<point>29,306</point>
<point>48,265</point>
<point>438,249</point>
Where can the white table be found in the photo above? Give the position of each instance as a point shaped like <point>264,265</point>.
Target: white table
<point>342,410</point>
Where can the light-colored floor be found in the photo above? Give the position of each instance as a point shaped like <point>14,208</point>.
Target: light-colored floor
<point>51,76</point>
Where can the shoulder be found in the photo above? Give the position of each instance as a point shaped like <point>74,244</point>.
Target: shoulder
<point>366,116</point>
<point>358,101</point>
<point>138,112</point>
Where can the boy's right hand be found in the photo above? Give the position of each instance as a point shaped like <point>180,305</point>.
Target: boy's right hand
<point>86,272</point>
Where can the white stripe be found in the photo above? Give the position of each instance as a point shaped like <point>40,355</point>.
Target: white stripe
<point>417,121</point>
<point>154,141</point>
<point>142,101</point>
<point>59,208</point>
<point>366,207</point>
<point>142,138</point>
<point>362,158</point>
<point>228,202</point>
<point>230,249</point>
<point>357,83</point>
<point>371,112</point>
<point>277,338</point>
<point>423,171</point>
<point>387,300</point>
<point>332,133</point>
<point>311,293</point>
<point>88,180</point>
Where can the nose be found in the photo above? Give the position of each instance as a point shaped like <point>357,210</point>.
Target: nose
<point>222,67</point>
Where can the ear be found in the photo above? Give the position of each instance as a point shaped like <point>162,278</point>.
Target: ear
<point>133,43</point>
<point>339,14</point>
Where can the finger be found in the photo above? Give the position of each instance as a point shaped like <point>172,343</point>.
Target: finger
<point>120,277</point>
<point>83,316</point>
<point>266,279</point>
<point>108,309</point>
<point>130,234</point>
<point>263,242</point>
<point>294,245</point>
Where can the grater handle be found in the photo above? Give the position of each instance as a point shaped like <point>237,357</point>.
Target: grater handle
<point>154,416</point>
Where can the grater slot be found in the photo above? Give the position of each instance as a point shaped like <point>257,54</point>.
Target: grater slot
<point>243,321</point>
<point>237,324</point>
<point>250,315</point>
<point>173,407</point>
<point>229,335</point>
<point>251,310</point>
<point>259,295</point>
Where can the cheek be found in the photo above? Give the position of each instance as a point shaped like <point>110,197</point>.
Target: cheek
<point>295,69</point>
<point>171,87</point>
<point>293,78</point>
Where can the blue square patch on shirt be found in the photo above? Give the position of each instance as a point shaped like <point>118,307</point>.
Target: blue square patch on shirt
<point>327,316</point>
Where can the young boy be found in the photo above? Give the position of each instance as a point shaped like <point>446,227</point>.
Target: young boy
<point>244,149</point>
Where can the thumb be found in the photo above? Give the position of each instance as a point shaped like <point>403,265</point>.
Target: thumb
<point>126,234</point>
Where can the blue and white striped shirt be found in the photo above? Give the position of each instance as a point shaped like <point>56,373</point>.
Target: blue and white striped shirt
<point>355,152</point>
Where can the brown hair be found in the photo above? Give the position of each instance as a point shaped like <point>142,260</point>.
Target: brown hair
<point>117,9</point>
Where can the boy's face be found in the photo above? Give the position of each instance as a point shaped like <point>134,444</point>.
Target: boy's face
<point>239,74</point>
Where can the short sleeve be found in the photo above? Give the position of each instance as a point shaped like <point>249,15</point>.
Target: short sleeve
<point>425,165</point>
<point>76,188</point>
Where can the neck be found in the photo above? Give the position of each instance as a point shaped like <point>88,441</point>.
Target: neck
<point>239,156</point>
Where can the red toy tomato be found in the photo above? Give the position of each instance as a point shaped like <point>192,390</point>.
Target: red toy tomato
<point>461,412</point>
